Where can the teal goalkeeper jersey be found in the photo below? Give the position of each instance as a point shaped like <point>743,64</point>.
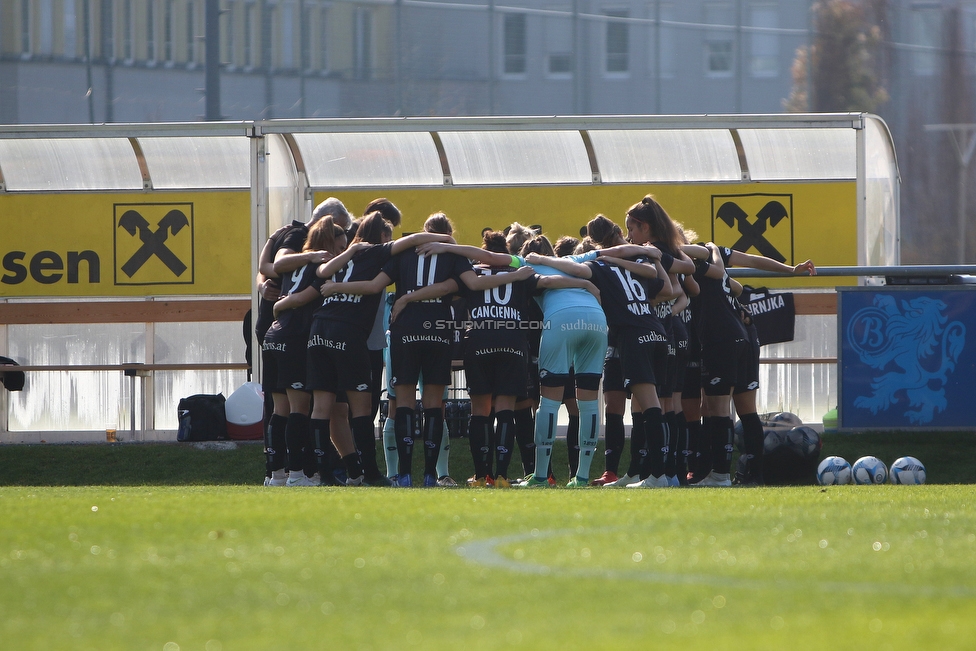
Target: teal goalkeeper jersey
<point>553,300</point>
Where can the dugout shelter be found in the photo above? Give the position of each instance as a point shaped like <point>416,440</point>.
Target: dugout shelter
<point>130,250</point>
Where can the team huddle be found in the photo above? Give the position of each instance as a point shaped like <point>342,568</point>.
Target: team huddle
<point>651,315</point>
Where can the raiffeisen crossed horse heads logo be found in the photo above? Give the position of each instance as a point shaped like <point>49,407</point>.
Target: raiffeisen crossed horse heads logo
<point>153,244</point>
<point>911,341</point>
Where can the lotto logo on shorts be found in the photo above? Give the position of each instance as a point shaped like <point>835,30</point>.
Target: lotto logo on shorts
<point>760,224</point>
<point>153,243</point>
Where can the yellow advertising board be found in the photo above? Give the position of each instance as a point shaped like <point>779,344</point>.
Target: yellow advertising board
<point>790,222</point>
<point>69,245</point>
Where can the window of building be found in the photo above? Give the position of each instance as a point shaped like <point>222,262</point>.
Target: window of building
<point>250,35</point>
<point>128,50</point>
<point>151,32</point>
<point>305,36</point>
<point>287,33</point>
<point>926,30</point>
<point>70,30</point>
<point>108,30</point>
<point>559,44</point>
<point>323,40</point>
<point>514,44</point>
<point>764,45</point>
<point>168,17</point>
<point>45,27</point>
<point>617,47</point>
<point>228,33</point>
<point>25,28</point>
<point>191,34</point>
<point>719,46</point>
<point>363,43</point>
<point>669,42</point>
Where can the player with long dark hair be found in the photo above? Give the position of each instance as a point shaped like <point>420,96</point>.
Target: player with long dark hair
<point>284,348</point>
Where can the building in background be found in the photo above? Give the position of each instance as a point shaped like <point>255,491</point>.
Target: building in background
<point>79,61</point>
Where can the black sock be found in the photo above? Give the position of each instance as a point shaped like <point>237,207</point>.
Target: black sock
<point>365,438</point>
<point>353,465</point>
<point>682,449</point>
<point>525,437</point>
<point>404,426</point>
<point>706,447</point>
<point>321,442</point>
<point>754,437</point>
<point>722,445</point>
<point>479,440</point>
<point>504,441</point>
<point>572,443</point>
<point>656,446</point>
<point>296,439</point>
<point>671,460</point>
<point>614,436</point>
<point>275,445</point>
<point>433,433</point>
<point>695,448</point>
<point>638,445</point>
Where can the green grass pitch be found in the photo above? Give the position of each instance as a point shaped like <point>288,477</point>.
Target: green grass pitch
<point>222,568</point>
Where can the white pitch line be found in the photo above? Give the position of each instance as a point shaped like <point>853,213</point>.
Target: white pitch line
<point>485,553</point>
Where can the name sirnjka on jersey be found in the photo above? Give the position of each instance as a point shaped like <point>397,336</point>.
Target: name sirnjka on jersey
<point>773,302</point>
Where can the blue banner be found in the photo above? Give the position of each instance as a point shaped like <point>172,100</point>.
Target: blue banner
<point>906,361</point>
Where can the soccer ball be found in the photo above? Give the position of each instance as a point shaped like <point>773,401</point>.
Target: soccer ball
<point>907,470</point>
<point>806,441</point>
<point>773,439</point>
<point>834,471</point>
<point>869,470</point>
<point>784,419</point>
<point>739,436</point>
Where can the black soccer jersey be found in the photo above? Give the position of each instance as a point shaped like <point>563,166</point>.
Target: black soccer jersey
<point>266,308</point>
<point>353,308</point>
<point>295,323</point>
<point>294,239</point>
<point>498,316</point>
<point>715,317</point>
<point>626,299</point>
<point>664,309</point>
<point>410,272</point>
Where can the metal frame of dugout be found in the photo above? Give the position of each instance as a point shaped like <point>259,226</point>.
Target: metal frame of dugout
<point>243,179</point>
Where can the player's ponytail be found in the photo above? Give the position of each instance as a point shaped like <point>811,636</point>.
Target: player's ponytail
<point>662,228</point>
<point>439,223</point>
<point>373,229</point>
<point>603,232</point>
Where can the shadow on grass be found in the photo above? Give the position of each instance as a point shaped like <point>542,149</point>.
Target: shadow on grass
<point>949,458</point>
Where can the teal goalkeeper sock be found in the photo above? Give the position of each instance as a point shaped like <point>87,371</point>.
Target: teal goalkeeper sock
<point>589,432</point>
<point>545,433</point>
<point>442,457</point>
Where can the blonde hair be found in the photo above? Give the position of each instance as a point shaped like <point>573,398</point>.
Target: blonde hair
<point>585,245</point>
<point>517,236</point>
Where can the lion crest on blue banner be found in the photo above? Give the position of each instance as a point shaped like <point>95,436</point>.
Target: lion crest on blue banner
<point>912,342</point>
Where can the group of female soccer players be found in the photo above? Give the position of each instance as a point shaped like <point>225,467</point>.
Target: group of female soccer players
<point>650,314</point>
